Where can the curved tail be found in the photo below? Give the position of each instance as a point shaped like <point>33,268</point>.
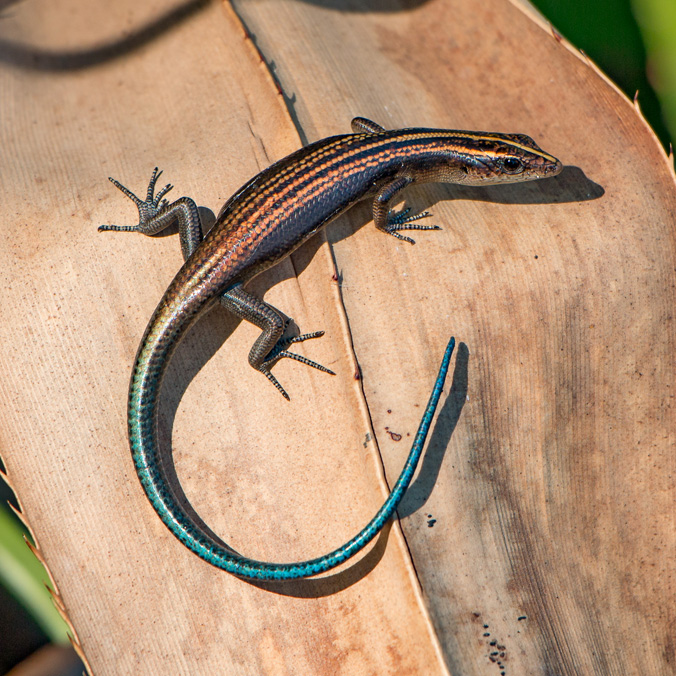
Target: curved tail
<point>161,337</point>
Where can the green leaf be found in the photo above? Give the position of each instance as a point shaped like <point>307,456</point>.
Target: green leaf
<point>25,578</point>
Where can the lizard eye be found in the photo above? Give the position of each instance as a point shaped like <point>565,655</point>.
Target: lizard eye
<point>511,165</point>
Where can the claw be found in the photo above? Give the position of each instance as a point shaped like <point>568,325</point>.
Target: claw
<point>117,228</point>
<point>279,352</point>
<point>146,209</point>
<point>160,195</point>
<point>136,200</point>
<point>151,184</point>
<point>276,383</point>
<point>398,216</point>
<point>402,221</point>
<point>304,360</point>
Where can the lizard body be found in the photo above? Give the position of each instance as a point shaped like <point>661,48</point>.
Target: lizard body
<point>264,221</point>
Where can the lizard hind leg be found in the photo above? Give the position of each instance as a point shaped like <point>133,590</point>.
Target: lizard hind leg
<point>269,347</point>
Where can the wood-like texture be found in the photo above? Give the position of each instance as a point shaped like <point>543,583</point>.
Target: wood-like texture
<point>541,528</point>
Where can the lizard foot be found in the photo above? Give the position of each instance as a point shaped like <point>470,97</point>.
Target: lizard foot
<point>147,209</point>
<point>279,351</point>
<point>401,220</point>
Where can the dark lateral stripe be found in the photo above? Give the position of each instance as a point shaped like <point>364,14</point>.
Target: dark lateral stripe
<point>343,156</point>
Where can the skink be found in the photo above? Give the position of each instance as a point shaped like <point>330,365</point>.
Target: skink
<point>264,221</point>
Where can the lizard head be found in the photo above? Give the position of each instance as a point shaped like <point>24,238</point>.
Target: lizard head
<point>503,158</point>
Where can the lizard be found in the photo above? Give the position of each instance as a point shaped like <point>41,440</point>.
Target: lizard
<point>262,223</point>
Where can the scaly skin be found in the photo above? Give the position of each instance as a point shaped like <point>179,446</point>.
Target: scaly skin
<point>265,221</point>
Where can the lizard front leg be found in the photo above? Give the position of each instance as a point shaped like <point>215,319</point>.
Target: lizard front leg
<point>390,222</point>
<point>156,214</point>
